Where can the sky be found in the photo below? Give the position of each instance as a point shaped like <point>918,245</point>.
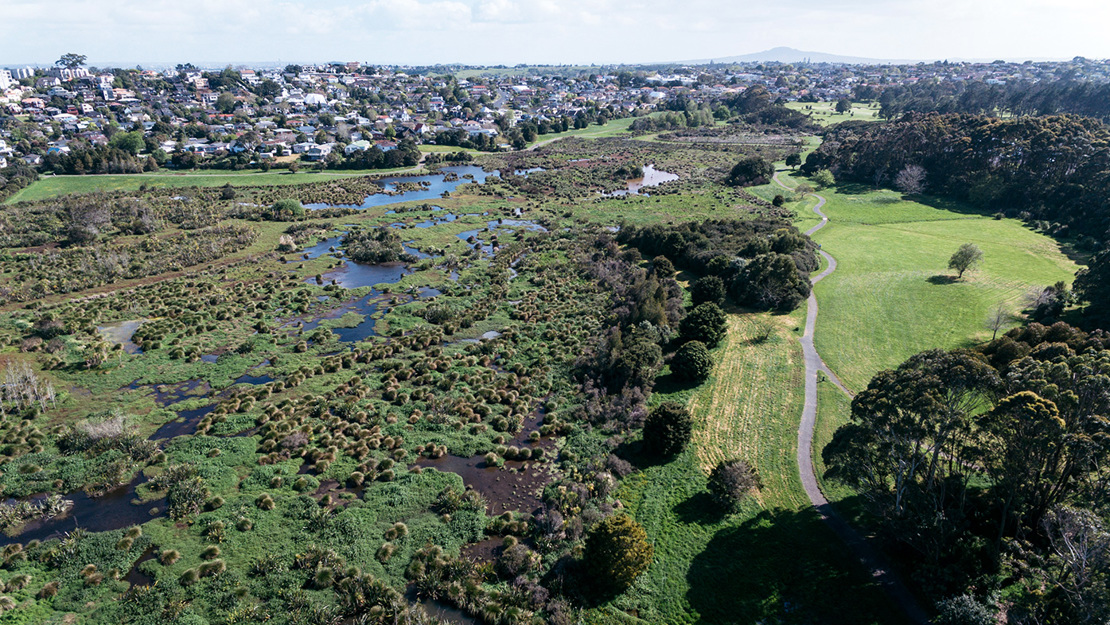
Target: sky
<point>490,32</point>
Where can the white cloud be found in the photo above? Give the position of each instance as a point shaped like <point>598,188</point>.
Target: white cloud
<point>513,31</point>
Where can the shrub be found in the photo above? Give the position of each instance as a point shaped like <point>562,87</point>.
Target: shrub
<point>750,170</point>
<point>667,429</point>
<point>617,552</point>
<point>708,289</point>
<point>692,362</point>
<point>705,323</point>
<point>730,481</point>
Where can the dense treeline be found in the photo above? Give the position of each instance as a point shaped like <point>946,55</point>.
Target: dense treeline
<point>1051,170</point>
<point>406,154</point>
<point>1014,98</point>
<point>99,160</point>
<point>618,372</point>
<point>15,177</point>
<point>988,470</point>
<point>762,263</point>
<point>756,106</point>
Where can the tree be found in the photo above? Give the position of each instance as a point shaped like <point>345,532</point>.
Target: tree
<point>705,323</point>
<point>1092,285</point>
<point>908,442</point>
<point>771,281</point>
<point>225,103</point>
<point>692,362</point>
<point>793,160</point>
<point>286,210</point>
<point>730,481</point>
<point>998,318</point>
<point>803,189</point>
<point>843,105</point>
<point>708,289</point>
<point>662,267</point>
<point>131,142</point>
<point>1024,448</point>
<point>964,610</point>
<point>824,179</point>
<point>617,552</point>
<point>778,201</point>
<point>751,170</point>
<point>667,429</point>
<point>71,60</point>
<point>911,179</point>
<point>965,258</point>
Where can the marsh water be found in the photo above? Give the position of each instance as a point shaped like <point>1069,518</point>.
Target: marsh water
<point>433,187</point>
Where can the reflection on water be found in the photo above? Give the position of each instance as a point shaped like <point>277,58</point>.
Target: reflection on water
<point>652,178</point>
<point>121,332</point>
<point>434,188</point>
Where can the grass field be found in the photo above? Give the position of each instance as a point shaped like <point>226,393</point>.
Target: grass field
<point>893,296</point>
<point>824,113</point>
<point>613,128</point>
<point>716,568</point>
<point>54,186</point>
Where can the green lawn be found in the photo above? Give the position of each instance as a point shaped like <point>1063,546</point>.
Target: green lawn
<point>54,186</point>
<point>774,561</point>
<point>824,113</point>
<point>893,295</point>
<point>614,128</point>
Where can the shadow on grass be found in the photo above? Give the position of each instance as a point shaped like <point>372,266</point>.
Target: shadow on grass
<point>783,566</point>
<point>634,452</point>
<point>942,279</point>
<point>701,509</point>
<point>672,383</point>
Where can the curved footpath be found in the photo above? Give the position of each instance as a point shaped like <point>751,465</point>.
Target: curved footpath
<point>874,562</point>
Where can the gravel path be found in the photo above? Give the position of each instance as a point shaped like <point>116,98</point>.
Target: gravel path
<point>874,562</point>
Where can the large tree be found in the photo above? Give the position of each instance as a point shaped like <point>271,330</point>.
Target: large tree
<point>909,440</point>
<point>71,60</point>
<point>751,170</point>
<point>616,553</point>
<point>705,323</point>
<point>965,258</point>
<point>667,429</point>
<point>1092,285</point>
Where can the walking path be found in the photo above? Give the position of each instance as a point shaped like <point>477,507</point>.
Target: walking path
<point>874,562</point>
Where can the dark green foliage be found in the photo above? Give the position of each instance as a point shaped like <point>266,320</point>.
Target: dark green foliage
<point>667,429</point>
<point>662,267</point>
<point>718,248</point>
<point>1053,169</point>
<point>964,610</point>
<point>705,323</point>
<point>1029,437</point>
<point>616,553</point>
<point>286,209</point>
<point>731,481</point>
<point>692,362</point>
<point>749,171</point>
<point>1092,285</point>
<point>708,289</point>
<point>375,245</point>
<point>771,281</point>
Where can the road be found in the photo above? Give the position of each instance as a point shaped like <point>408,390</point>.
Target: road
<point>874,562</point>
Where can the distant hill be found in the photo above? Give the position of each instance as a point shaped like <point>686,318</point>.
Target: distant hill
<point>790,55</point>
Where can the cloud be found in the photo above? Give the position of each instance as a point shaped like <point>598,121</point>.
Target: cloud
<point>558,31</point>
